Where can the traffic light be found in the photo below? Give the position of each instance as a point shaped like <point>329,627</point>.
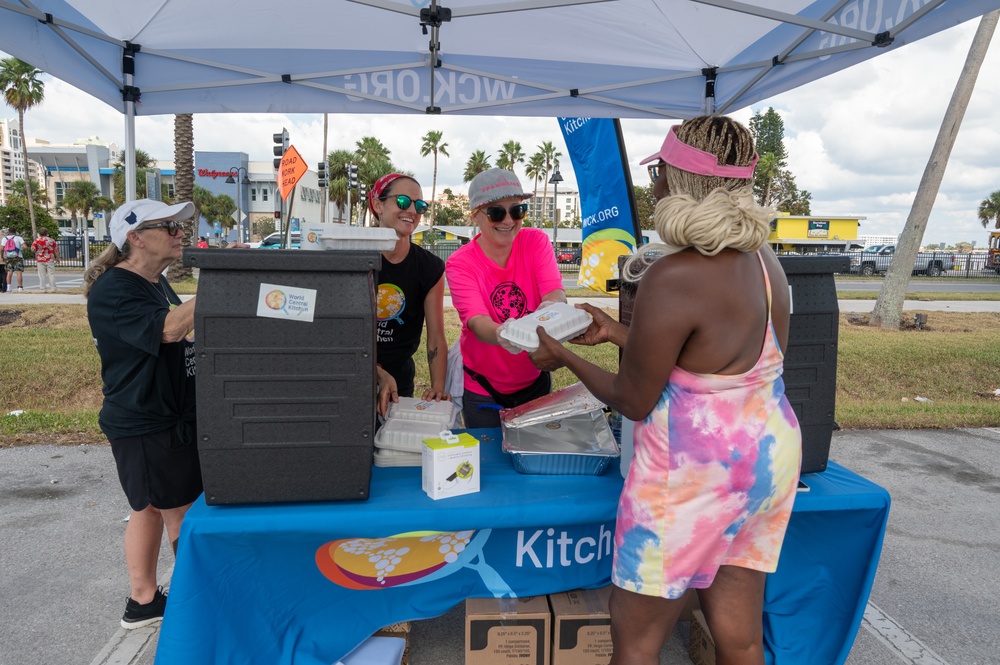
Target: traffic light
<point>281,144</point>
<point>352,176</point>
<point>321,180</point>
<point>362,191</point>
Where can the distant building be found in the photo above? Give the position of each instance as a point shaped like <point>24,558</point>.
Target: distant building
<point>12,166</point>
<point>811,234</point>
<point>869,240</point>
<point>89,160</point>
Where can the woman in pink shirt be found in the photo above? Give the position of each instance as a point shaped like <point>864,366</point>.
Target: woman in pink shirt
<point>505,272</point>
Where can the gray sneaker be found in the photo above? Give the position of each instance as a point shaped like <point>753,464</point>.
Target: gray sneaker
<point>137,616</point>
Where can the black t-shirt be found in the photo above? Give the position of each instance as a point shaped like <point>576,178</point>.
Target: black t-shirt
<point>402,289</point>
<point>148,385</point>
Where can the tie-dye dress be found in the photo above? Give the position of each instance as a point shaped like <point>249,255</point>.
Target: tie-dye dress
<point>712,480</point>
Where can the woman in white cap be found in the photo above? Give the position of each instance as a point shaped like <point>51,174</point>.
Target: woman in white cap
<point>504,273</point>
<point>717,446</point>
<point>143,336</point>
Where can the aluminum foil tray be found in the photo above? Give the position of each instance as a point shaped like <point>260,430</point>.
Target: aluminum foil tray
<point>578,445</point>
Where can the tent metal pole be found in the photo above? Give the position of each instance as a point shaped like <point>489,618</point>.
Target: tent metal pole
<point>636,227</point>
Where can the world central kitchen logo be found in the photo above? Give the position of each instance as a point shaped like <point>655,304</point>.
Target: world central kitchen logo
<point>542,549</point>
<point>411,86</point>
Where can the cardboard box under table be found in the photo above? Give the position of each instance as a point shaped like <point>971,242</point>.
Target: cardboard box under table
<point>581,627</point>
<point>285,356</point>
<point>507,631</point>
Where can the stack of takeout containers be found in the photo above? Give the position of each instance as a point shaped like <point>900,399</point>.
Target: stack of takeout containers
<point>563,433</point>
<point>399,441</point>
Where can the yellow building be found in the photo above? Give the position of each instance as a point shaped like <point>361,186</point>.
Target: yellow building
<point>799,233</point>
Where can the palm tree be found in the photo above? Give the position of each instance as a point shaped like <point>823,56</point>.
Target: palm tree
<point>370,148</point>
<point>336,165</point>
<point>203,200</point>
<point>85,197</point>
<point>478,162</point>
<point>143,164</point>
<point>22,90</point>
<point>183,185</point>
<point>989,210</point>
<point>19,194</point>
<point>534,170</point>
<point>551,159</point>
<point>510,155</point>
<point>432,144</point>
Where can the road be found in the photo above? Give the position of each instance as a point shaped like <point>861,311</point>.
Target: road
<point>66,279</point>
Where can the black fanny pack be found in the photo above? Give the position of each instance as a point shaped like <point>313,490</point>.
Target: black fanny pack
<point>540,386</point>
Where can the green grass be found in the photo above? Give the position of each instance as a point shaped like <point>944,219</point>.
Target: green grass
<point>51,371</point>
<point>926,296</point>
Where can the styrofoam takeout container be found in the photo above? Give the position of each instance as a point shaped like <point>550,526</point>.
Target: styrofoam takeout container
<point>358,238</point>
<point>560,320</point>
<point>410,408</point>
<point>385,457</point>
<point>406,435</point>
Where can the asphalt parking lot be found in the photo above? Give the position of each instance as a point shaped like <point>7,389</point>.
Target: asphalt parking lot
<point>63,581</point>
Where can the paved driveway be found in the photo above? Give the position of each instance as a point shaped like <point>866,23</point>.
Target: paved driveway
<point>63,581</point>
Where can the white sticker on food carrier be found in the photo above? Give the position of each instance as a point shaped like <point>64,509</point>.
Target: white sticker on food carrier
<point>286,302</point>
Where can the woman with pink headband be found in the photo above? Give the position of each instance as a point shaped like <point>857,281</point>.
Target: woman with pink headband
<point>717,447</point>
<point>410,291</point>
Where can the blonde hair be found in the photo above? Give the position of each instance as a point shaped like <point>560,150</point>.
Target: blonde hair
<point>707,213</point>
<point>109,258</point>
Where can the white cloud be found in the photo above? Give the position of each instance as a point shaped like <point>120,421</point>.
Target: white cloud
<point>858,140</point>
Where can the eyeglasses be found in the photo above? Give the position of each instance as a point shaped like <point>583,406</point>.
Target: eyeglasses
<point>655,170</point>
<point>498,214</point>
<point>173,227</point>
<point>403,203</point>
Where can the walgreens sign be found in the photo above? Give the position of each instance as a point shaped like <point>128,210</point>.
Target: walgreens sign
<point>212,173</point>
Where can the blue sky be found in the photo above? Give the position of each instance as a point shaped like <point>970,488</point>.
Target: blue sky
<point>859,140</point>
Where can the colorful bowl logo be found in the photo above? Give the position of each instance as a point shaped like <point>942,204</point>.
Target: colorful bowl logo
<point>389,302</point>
<point>380,563</point>
<point>275,299</point>
<point>311,237</point>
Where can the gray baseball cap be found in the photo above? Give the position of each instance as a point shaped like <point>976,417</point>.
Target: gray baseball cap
<point>492,185</point>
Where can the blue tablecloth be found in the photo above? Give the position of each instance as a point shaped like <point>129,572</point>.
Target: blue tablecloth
<point>306,583</point>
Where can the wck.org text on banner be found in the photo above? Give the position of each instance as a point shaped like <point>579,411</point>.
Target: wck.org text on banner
<point>604,198</point>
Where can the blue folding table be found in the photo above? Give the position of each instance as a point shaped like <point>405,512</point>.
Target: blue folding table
<point>306,583</point>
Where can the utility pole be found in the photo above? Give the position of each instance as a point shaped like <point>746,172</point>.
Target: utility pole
<point>888,312</point>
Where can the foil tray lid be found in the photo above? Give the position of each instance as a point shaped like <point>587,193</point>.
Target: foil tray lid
<point>569,401</point>
<point>578,434</point>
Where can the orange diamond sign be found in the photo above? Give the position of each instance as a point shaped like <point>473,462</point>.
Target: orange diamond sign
<point>292,168</point>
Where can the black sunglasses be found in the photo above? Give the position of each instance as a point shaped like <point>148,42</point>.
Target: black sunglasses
<point>655,171</point>
<point>173,227</point>
<point>403,203</point>
<point>498,214</point>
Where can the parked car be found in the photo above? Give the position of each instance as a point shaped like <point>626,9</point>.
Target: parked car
<point>568,255</point>
<point>876,259</point>
<point>273,241</point>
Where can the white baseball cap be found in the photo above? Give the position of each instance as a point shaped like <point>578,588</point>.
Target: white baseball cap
<point>133,213</point>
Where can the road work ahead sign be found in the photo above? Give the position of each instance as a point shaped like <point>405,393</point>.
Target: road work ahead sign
<point>293,167</point>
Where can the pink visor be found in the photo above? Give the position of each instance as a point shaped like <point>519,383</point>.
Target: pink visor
<point>690,159</point>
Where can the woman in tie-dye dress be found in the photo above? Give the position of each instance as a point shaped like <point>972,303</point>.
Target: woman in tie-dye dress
<point>717,446</point>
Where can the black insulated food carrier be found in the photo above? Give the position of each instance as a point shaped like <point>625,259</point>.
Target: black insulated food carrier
<point>286,407</point>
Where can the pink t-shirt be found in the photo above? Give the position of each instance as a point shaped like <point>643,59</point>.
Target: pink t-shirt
<point>479,287</point>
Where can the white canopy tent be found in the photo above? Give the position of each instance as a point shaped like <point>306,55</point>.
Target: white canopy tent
<point>573,58</point>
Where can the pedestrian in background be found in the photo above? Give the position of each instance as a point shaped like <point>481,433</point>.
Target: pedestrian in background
<point>202,243</point>
<point>46,257</point>
<point>12,245</point>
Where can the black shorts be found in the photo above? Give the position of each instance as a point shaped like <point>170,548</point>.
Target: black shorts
<point>159,469</point>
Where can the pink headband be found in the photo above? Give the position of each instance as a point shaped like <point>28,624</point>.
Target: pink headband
<point>379,187</point>
<point>691,159</point>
